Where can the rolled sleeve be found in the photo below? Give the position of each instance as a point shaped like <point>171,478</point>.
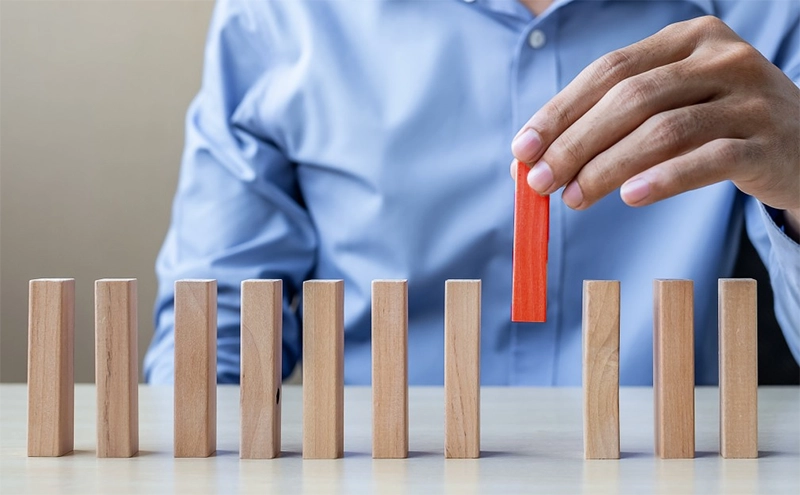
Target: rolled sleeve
<point>781,255</point>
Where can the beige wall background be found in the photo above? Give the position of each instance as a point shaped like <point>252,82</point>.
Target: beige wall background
<point>92,99</point>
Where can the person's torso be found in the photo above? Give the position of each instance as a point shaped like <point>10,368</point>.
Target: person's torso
<point>399,116</point>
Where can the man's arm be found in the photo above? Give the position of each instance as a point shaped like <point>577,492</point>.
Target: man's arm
<point>690,106</point>
<point>237,212</point>
<point>687,107</point>
<point>776,234</point>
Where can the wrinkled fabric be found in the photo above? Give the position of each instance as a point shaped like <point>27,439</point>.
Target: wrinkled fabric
<point>371,140</point>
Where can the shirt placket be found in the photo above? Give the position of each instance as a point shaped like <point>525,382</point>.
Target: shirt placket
<point>534,81</point>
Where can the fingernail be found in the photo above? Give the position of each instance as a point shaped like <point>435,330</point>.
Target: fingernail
<point>572,195</point>
<point>635,191</point>
<point>526,145</point>
<point>541,178</point>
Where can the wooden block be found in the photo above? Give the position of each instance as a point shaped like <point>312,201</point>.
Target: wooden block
<point>389,369</point>
<point>673,368</point>
<point>262,350</point>
<point>600,369</point>
<point>323,369</point>
<point>531,235</point>
<point>116,367</point>
<point>462,374</point>
<point>51,382</point>
<point>195,368</point>
<point>738,368</point>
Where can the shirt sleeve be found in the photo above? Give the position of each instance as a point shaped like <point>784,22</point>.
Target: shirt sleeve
<point>237,212</point>
<point>781,255</point>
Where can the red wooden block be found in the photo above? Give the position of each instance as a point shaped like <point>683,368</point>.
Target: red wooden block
<point>531,233</point>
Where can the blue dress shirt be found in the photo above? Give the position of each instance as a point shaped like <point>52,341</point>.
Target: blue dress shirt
<point>371,140</point>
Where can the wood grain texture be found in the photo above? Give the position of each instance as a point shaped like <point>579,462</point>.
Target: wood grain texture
<point>195,368</point>
<point>261,366</point>
<point>462,376</point>
<point>531,235</point>
<point>738,368</point>
<point>51,382</point>
<point>116,367</point>
<point>389,369</point>
<point>601,369</point>
<point>323,369</point>
<point>673,368</point>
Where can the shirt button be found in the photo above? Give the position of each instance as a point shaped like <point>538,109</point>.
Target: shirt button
<point>537,39</point>
<point>469,1</point>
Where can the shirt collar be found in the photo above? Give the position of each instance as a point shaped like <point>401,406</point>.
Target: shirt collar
<point>516,9</point>
<point>513,7</point>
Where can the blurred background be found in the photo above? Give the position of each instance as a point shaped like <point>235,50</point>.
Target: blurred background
<point>92,99</point>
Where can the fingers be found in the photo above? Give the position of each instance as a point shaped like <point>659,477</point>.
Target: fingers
<point>624,108</point>
<point>624,122</point>
<point>706,165</point>
<point>664,136</point>
<point>671,44</point>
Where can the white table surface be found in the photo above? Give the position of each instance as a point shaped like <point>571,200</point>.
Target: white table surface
<point>531,442</point>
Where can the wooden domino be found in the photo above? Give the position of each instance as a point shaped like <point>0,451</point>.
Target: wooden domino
<point>261,357</point>
<point>529,265</point>
<point>195,368</point>
<point>51,382</point>
<point>673,368</point>
<point>462,357</point>
<point>738,368</point>
<point>389,369</point>
<point>601,369</point>
<point>323,369</point>
<point>116,367</point>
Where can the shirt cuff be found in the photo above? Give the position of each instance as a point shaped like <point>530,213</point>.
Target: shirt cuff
<point>785,251</point>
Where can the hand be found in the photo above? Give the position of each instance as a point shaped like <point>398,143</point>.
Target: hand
<point>690,106</point>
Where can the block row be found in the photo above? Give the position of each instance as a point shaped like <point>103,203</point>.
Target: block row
<point>673,368</point>
<point>51,383</point>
